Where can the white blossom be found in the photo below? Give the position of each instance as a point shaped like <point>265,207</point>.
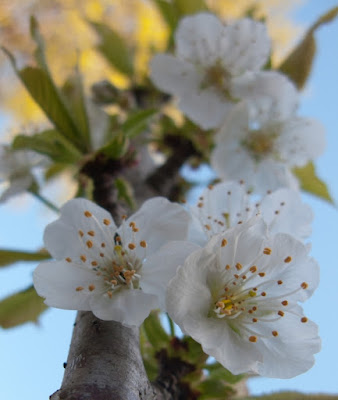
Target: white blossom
<point>120,273</point>
<point>217,64</point>
<point>262,152</point>
<point>227,204</point>
<point>16,170</point>
<point>239,297</point>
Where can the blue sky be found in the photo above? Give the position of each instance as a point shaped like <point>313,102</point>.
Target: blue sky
<point>32,355</point>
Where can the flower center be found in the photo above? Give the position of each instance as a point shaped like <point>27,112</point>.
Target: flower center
<point>218,78</point>
<point>112,258</point>
<point>260,143</point>
<point>248,298</point>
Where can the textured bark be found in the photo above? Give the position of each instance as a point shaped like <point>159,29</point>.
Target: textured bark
<point>104,362</point>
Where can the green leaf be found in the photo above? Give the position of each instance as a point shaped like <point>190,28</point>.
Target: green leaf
<point>297,66</point>
<point>137,122</point>
<point>195,354</point>
<point>8,257</point>
<point>310,182</point>
<point>154,331</point>
<point>114,48</point>
<point>40,44</point>
<point>169,13</point>
<point>186,7</point>
<point>125,191</point>
<point>117,147</point>
<point>213,389</point>
<point>21,307</point>
<point>75,99</point>
<point>54,170</point>
<point>50,143</point>
<point>217,371</point>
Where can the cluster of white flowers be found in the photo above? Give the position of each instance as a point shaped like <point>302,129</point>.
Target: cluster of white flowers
<point>231,270</point>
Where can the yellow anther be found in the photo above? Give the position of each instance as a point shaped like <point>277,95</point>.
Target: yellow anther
<point>288,259</point>
<point>224,242</point>
<point>253,269</point>
<point>303,320</point>
<point>143,244</point>
<point>274,333</point>
<point>88,214</point>
<point>113,282</point>
<point>68,259</point>
<point>208,227</point>
<point>281,313</point>
<point>110,294</point>
<point>285,303</point>
<point>135,230</point>
<point>253,339</point>
<point>83,258</point>
<point>304,285</point>
<point>131,246</point>
<point>103,244</point>
<point>91,233</point>
<point>94,263</point>
<point>101,254</point>
<point>132,224</point>
<point>239,266</point>
<point>124,216</point>
<point>227,267</point>
<point>254,319</point>
<point>81,233</point>
<point>261,274</point>
<point>200,205</point>
<point>252,293</point>
<point>106,221</point>
<point>89,244</point>
<point>280,282</point>
<point>267,251</point>
<point>263,294</point>
<point>91,287</point>
<point>244,277</point>
<point>236,276</point>
<point>79,288</point>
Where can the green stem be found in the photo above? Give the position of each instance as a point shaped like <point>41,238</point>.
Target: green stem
<point>46,202</point>
<point>171,326</point>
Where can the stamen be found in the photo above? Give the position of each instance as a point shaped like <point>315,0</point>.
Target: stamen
<point>224,242</point>
<point>83,258</point>
<point>79,288</point>
<point>106,221</point>
<point>91,287</point>
<point>288,259</point>
<point>281,313</point>
<point>274,333</point>
<point>253,269</point>
<point>253,339</point>
<point>143,244</point>
<point>89,244</point>
<point>131,246</point>
<point>304,320</point>
<point>285,303</point>
<point>304,285</point>
<point>87,214</point>
<point>239,266</point>
<point>94,263</point>
<point>68,259</point>
<point>81,233</point>
<point>267,251</point>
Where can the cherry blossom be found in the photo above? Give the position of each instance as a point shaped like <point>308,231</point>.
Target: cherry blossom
<point>262,152</point>
<point>228,204</point>
<point>239,297</point>
<point>216,64</point>
<point>16,170</point>
<point>120,273</point>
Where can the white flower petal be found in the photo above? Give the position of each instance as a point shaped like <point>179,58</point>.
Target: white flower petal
<point>206,107</point>
<point>57,281</point>
<point>130,307</point>
<point>159,221</point>
<point>160,267</point>
<point>197,38</point>
<point>301,140</point>
<point>244,46</point>
<point>62,237</point>
<point>173,75</point>
<point>284,211</point>
<point>269,94</point>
